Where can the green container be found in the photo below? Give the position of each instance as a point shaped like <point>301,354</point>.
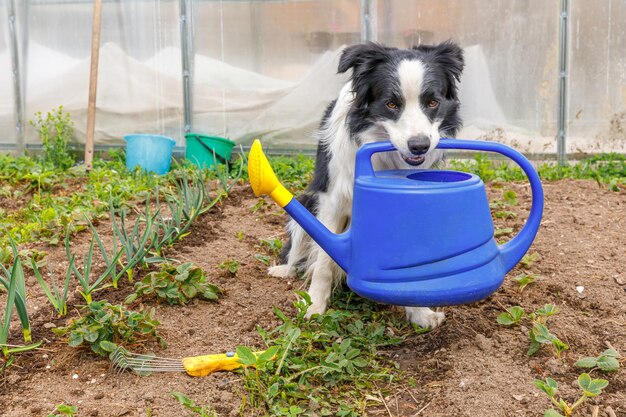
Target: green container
<point>204,151</point>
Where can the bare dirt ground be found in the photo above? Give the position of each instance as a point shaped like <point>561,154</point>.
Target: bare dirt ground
<point>471,366</point>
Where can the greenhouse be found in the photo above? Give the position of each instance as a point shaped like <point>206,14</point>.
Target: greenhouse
<point>312,208</point>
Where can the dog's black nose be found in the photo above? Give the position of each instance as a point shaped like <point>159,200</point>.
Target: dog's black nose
<point>419,144</point>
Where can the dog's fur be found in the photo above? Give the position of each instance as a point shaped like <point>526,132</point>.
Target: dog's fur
<point>408,96</point>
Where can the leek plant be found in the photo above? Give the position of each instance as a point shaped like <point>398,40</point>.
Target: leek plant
<point>84,278</point>
<point>57,298</point>
<point>136,245</point>
<point>17,273</point>
<point>13,280</point>
<point>186,203</point>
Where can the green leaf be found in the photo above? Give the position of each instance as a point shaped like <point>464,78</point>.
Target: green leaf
<point>586,362</point>
<point>608,363</point>
<point>272,390</point>
<point>550,387</point>
<point>268,354</point>
<point>547,310</point>
<point>591,387</point>
<point>552,413</point>
<point>246,356</point>
<point>505,319</point>
<point>611,352</point>
<point>108,346</point>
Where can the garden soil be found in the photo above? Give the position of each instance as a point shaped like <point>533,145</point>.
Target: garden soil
<point>470,366</point>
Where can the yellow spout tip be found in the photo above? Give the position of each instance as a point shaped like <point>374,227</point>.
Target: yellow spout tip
<point>262,177</point>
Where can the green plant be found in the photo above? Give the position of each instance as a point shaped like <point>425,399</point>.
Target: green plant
<point>590,388</point>
<point>104,325</point>
<point>175,285</point>
<point>272,246</point>
<point>529,259</point>
<point>202,411</point>
<point>608,361</point>
<point>14,282</point>
<point>510,197</point>
<point>188,201</point>
<point>331,359</point>
<point>231,265</point>
<point>84,277</point>
<point>524,280</point>
<point>64,410</point>
<point>58,299</point>
<point>264,259</point>
<point>56,130</point>
<point>15,299</point>
<point>539,333</point>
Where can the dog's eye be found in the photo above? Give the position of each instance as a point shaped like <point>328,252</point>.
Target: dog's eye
<point>433,104</point>
<point>392,105</point>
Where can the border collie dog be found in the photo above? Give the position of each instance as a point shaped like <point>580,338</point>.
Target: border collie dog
<point>407,96</point>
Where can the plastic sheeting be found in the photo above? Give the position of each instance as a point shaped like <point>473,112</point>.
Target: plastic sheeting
<point>268,68</point>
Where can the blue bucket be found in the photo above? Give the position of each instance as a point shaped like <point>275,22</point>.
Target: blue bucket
<point>150,152</point>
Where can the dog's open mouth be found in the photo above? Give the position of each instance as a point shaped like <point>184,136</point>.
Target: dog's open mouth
<point>413,160</point>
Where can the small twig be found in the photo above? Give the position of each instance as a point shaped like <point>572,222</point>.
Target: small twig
<point>610,412</point>
<point>595,412</point>
<point>385,404</point>
<point>414,399</point>
<point>609,345</point>
<point>422,409</point>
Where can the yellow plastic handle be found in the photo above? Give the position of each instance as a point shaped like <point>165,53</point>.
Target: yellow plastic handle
<point>262,177</point>
<point>204,365</point>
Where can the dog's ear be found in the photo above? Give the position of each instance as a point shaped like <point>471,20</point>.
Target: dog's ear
<point>356,56</point>
<point>449,56</point>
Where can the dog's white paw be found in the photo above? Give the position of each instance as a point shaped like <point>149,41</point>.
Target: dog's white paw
<point>315,308</point>
<point>282,271</point>
<point>424,317</point>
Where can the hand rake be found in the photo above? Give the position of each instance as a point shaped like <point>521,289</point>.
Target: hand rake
<point>121,359</point>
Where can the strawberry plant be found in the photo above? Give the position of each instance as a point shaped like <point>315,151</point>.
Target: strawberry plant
<point>590,388</point>
<point>539,333</point>
<point>524,280</point>
<point>231,265</point>
<point>608,361</point>
<point>175,285</point>
<point>105,324</point>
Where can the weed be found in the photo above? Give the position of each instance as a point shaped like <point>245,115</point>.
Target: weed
<point>260,204</point>
<point>529,259</point>
<point>55,131</point>
<point>175,285</point>
<point>524,280</point>
<point>590,388</point>
<point>539,334</point>
<point>510,197</point>
<point>104,325</point>
<point>330,359</point>
<point>608,361</point>
<point>240,235</point>
<point>503,232</point>
<point>231,265</point>
<point>202,411</point>
<point>264,259</point>
<point>272,246</point>
<point>64,410</point>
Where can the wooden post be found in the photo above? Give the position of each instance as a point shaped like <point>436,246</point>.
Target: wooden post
<point>93,83</point>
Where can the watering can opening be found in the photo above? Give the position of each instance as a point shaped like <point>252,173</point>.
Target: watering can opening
<point>439,176</point>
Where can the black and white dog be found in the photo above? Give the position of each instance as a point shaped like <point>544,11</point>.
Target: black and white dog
<point>408,96</point>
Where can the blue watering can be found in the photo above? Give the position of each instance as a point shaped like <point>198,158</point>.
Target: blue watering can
<point>417,237</point>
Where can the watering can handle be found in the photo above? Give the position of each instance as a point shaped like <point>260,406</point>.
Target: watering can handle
<point>512,251</point>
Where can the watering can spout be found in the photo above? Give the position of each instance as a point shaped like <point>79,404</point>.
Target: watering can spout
<point>264,182</point>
